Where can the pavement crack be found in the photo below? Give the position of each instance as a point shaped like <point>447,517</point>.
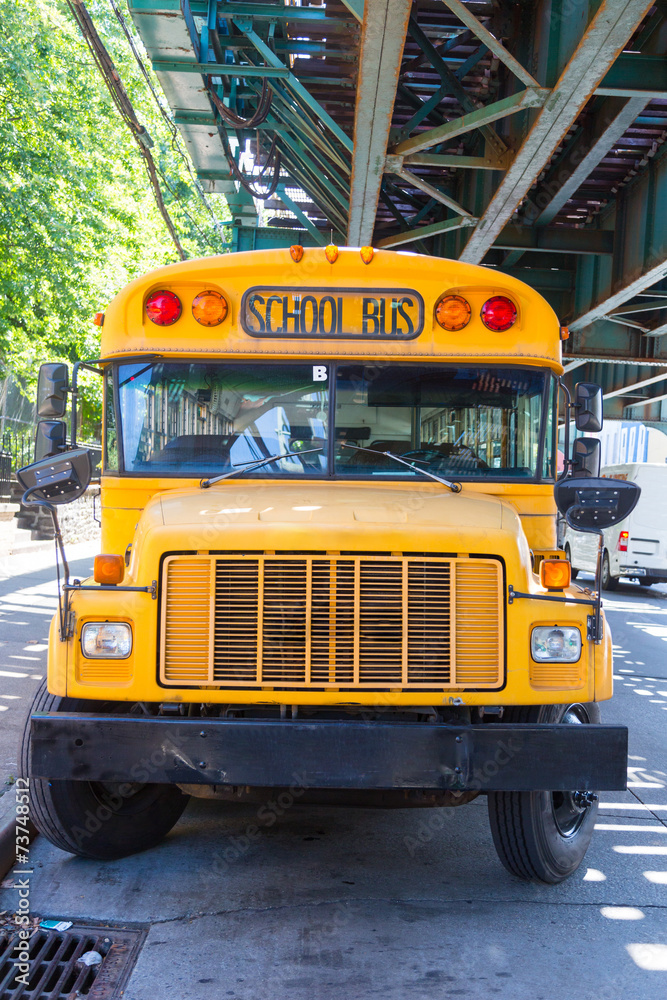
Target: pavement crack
<point>648,808</point>
<point>248,910</point>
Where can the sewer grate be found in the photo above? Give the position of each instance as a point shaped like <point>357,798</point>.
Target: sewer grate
<point>54,973</point>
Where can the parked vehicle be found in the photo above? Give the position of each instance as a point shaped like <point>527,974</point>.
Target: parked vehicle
<point>320,497</point>
<point>635,547</point>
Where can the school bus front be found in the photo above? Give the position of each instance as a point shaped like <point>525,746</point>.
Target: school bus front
<point>328,485</point>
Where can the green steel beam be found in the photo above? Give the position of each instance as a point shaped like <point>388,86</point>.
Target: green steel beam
<point>383,34</point>
<point>580,158</point>
<point>301,215</point>
<point>466,16</point>
<point>448,161</point>
<point>356,7</point>
<point>604,38</point>
<point>432,192</point>
<point>556,240</point>
<point>633,75</point>
<point>294,83</point>
<point>220,69</point>
<point>454,85</point>
<point>423,232</point>
<point>529,98</point>
<point>259,11</point>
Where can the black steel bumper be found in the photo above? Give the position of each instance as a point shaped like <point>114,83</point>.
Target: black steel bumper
<point>328,754</point>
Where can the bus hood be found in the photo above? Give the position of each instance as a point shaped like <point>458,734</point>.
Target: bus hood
<point>252,516</point>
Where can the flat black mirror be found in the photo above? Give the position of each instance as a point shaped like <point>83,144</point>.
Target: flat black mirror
<point>58,480</point>
<point>586,458</point>
<point>50,438</point>
<point>52,390</point>
<point>595,503</point>
<point>588,407</point>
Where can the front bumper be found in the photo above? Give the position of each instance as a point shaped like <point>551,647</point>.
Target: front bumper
<point>328,754</point>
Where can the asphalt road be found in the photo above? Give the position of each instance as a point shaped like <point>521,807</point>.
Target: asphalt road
<point>354,903</point>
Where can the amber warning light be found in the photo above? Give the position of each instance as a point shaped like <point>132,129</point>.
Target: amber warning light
<point>555,574</point>
<point>109,569</point>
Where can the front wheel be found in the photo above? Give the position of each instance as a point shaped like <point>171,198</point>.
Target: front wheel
<point>609,582</point>
<point>544,836</point>
<point>100,820</point>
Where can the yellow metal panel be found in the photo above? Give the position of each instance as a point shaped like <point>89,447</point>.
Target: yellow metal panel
<point>479,623</point>
<point>186,639</point>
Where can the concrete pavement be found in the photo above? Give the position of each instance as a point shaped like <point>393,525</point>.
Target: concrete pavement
<point>353,903</point>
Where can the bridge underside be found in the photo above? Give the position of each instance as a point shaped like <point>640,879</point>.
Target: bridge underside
<point>528,136</point>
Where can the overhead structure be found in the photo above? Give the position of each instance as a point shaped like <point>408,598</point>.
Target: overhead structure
<point>527,136</point>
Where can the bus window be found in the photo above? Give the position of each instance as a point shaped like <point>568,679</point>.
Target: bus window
<point>468,422</point>
<point>110,429</point>
<point>194,419</point>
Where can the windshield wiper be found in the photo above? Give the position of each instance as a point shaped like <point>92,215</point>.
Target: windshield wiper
<point>249,466</point>
<point>454,487</point>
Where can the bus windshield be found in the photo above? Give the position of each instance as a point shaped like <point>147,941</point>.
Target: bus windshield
<point>472,422</point>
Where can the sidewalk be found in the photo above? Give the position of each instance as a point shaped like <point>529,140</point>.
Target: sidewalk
<point>19,553</point>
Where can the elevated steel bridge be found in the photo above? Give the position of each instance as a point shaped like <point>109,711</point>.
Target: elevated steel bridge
<point>528,136</point>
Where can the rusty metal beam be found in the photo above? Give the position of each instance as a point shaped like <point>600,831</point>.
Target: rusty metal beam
<point>383,34</point>
<point>604,39</point>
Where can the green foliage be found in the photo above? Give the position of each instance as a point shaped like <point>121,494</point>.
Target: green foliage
<point>77,215</point>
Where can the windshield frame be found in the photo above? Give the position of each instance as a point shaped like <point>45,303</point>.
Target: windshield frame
<point>331,475</point>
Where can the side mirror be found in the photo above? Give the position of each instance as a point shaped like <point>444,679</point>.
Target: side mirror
<point>595,503</point>
<point>50,438</point>
<point>52,390</point>
<point>58,480</point>
<point>586,457</point>
<point>588,407</point>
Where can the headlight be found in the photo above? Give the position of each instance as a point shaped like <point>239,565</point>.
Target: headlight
<point>560,645</point>
<point>106,640</point>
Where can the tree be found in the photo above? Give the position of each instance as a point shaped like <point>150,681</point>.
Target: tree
<point>78,219</point>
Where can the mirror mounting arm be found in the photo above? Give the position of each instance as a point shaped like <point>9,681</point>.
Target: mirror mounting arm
<point>63,604</point>
<point>595,620</point>
<point>569,406</point>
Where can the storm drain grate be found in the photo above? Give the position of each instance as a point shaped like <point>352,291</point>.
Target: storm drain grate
<point>52,958</point>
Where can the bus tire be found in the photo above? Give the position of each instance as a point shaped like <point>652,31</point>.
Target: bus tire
<point>543,836</point>
<point>609,582</point>
<point>568,555</point>
<point>103,821</point>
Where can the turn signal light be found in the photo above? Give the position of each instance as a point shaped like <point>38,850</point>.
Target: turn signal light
<point>209,308</point>
<point>109,569</point>
<point>296,253</point>
<point>98,319</point>
<point>452,312</point>
<point>555,574</point>
<point>331,253</point>
<point>367,254</point>
<point>163,308</point>
<point>623,541</point>
<point>498,313</point>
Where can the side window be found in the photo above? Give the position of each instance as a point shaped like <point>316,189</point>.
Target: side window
<point>110,429</point>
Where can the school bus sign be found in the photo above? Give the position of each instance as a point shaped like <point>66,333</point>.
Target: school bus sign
<point>347,313</point>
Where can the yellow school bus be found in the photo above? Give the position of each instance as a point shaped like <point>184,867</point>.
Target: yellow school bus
<point>329,557</point>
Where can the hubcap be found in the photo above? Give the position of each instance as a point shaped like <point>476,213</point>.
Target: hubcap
<point>570,808</point>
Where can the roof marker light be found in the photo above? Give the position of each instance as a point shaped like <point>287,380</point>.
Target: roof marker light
<point>452,312</point>
<point>209,308</point>
<point>367,254</point>
<point>163,308</point>
<point>98,319</point>
<point>331,253</point>
<point>498,313</point>
<point>296,253</point>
